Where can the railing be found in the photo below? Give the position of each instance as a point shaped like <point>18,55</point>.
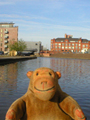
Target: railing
<point>6,41</point>
<point>6,36</point>
<point>5,46</point>
<point>6,32</point>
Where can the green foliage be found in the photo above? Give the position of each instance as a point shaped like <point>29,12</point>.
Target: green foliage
<point>17,46</point>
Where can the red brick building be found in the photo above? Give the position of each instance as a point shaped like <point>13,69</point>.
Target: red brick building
<point>8,33</point>
<point>70,44</point>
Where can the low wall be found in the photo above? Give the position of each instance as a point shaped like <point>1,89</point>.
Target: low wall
<point>46,54</point>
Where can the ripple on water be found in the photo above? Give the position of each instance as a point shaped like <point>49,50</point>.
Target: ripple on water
<point>75,80</point>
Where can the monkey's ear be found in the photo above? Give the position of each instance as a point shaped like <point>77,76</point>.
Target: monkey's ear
<point>29,73</point>
<point>58,74</point>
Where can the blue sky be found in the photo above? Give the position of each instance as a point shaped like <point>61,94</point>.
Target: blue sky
<point>43,20</point>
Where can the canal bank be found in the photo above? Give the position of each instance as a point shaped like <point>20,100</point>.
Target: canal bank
<point>8,59</point>
<point>71,55</point>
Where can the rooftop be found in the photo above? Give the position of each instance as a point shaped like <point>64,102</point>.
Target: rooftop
<point>71,39</point>
<point>7,23</point>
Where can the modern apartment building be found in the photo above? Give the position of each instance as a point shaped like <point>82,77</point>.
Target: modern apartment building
<point>70,44</point>
<point>8,34</point>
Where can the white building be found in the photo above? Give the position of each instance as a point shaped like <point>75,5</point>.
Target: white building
<point>33,46</point>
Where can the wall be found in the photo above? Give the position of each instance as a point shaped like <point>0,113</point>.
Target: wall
<point>33,45</point>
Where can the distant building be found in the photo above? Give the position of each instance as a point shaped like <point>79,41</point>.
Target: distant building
<point>70,44</point>
<point>33,46</point>
<point>8,33</point>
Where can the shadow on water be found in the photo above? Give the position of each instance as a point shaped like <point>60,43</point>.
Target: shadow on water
<point>4,61</point>
<point>75,80</point>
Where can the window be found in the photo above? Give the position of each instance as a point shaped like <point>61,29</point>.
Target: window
<point>72,47</point>
<point>72,41</point>
<point>62,44</point>
<point>79,41</point>
<point>1,30</point>
<point>59,43</point>
<point>83,45</point>
<point>76,47</point>
<point>79,44</point>
<point>66,44</point>
<point>86,45</point>
<point>69,44</point>
<point>1,35</point>
<point>76,44</point>
<point>55,43</point>
<point>62,47</point>
<point>55,46</point>
<point>79,47</point>
<point>72,44</point>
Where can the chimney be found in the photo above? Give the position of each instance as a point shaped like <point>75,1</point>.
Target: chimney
<point>65,35</point>
<point>68,36</point>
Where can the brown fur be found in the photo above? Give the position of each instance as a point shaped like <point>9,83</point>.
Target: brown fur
<point>44,100</point>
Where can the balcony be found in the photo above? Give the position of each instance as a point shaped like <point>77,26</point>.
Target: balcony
<point>6,31</point>
<point>5,46</point>
<point>6,36</point>
<point>5,41</point>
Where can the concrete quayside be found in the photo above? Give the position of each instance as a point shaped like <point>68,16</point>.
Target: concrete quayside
<point>6,60</point>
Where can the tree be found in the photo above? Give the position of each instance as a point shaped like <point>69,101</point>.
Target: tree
<point>17,46</point>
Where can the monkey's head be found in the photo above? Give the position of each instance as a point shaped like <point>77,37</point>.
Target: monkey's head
<point>43,82</point>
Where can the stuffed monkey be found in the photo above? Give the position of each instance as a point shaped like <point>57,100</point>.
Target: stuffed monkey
<point>44,100</point>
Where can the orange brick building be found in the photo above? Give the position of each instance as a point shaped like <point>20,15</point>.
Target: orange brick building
<point>8,33</point>
<point>69,44</point>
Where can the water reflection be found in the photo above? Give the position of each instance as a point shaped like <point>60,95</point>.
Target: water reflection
<point>72,68</point>
<point>8,77</point>
<point>75,80</point>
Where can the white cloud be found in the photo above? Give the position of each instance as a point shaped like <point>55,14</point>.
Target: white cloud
<point>6,3</point>
<point>30,22</point>
<point>24,16</point>
<point>9,16</point>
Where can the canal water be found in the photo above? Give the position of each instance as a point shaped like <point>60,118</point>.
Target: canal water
<point>75,80</point>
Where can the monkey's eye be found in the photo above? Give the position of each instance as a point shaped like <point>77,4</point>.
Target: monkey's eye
<point>50,74</point>
<point>37,73</point>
